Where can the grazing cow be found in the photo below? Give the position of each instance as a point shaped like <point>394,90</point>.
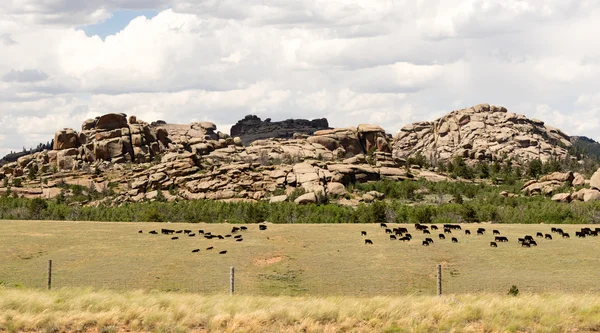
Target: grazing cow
<point>262,227</point>
<point>528,237</point>
<point>579,234</point>
<point>220,237</point>
<point>425,231</point>
<point>243,228</point>
<point>239,240</point>
<point>388,231</point>
<point>500,239</point>
<point>467,232</point>
<point>594,233</point>
<point>363,233</point>
<point>192,235</point>
<point>404,239</point>
<point>223,252</point>
<point>403,230</point>
<point>539,234</point>
<point>209,236</point>
<point>187,232</point>
<point>454,240</point>
<point>382,225</point>
<point>425,243</point>
<point>210,247</point>
<point>392,237</point>
<point>495,232</point>
<point>481,229</point>
<point>548,236</point>
<point>434,227</point>
<point>196,250</point>
<point>201,231</point>
<point>525,244</point>
<point>429,240</point>
<point>408,235</point>
<point>174,238</point>
<point>552,229</point>
<point>493,244</point>
<point>397,232</point>
<point>154,232</point>
<point>521,240</point>
<point>238,236</point>
<point>140,232</point>
<point>447,231</point>
<point>178,231</point>
<point>234,230</point>
<point>597,230</point>
<point>480,232</point>
<point>532,242</point>
<point>441,236</point>
<point>559,230</point>
<point>208,233</point>
<point>368,241</point>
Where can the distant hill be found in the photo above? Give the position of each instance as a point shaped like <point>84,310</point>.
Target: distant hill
<point>586,146</point>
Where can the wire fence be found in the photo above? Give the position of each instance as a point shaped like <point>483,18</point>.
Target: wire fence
<point>225,279</point>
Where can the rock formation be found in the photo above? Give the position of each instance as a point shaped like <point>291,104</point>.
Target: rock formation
<point>252,128</point>
<point>482,132</point>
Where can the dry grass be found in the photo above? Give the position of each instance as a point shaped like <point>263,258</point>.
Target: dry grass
<point>76,310</point>
<point>296,260</point>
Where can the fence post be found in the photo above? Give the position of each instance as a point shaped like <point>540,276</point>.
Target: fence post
<point>231,280</point>
<point>439,280</point>
<point>49,274</point>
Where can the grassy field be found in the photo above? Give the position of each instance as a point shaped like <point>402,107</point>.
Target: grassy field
<point>297,260</point>
<point>76,310</point>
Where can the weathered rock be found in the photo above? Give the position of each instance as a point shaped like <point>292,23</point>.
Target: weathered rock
<point>336,189</point>
<point>306,199</point>
<point>559,176</point>
<point>562,197</point>
<point>278,198</point>
<point>595,180</point>
<point>252,128</point>
<point>65,139</point>
<point>591,195</point>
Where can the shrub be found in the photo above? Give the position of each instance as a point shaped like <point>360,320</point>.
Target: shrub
<point>513,291</point>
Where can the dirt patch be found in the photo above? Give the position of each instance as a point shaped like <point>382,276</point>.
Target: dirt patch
<point>266,262</point>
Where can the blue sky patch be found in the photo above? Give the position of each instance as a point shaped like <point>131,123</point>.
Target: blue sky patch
<point>117,22</point>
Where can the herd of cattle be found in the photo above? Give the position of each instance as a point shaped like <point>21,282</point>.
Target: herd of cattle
<point>175,234</point>
<point>403,234</point>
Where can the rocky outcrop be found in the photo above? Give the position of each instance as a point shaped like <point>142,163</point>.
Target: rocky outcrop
<point>595,180</point>
<point>252,128</point>
<point>482,132</point>
<point>348,142</point>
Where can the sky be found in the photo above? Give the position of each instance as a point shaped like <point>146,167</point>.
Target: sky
<point>384,62</point>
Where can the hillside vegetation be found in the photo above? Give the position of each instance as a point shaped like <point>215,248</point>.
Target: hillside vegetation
<point>84,311</point>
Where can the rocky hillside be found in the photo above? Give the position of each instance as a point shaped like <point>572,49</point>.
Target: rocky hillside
<point>482,132</point>
<point>252,128</point>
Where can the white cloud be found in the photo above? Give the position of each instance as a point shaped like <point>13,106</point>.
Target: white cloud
<point>388,62</point>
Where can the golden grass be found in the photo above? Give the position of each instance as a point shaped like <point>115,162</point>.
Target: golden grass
<point>78,310</point>
<point>294,260</point>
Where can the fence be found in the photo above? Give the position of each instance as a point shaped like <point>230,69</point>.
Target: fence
<point>441,279</point>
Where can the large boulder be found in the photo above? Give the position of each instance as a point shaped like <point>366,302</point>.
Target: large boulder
<point>306,199</point>
<point>252,128</point>
<point>65,139</point>
<point>595,180</point>
<point>111,121</point>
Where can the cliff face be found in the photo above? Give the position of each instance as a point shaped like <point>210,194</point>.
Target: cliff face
<point>252,128</point>
<point>482,132</point>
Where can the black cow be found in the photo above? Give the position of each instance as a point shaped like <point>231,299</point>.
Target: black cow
<point>397,232</point>
<point>521,240</point>
<point>404,239</point>
<point>532,242</point>
<point>493,244</point>
<point>548,236</point>
<point>227,236</point>
<point>363,233</point>
<point>579,234</point>
<point>565,235</point>
<point>434,227</point>
<point>223,252</point>
<point>262,227</point>
<point>392,237</point>
<point>208,236</point>
<point>154,232</point>
<point>403,230</point>
<point>201,231</point>
<point>539,234</point>
<point>594,233</point>
<point>192,235</point>
<point>368,241</point>
<point>500,239</point>
<point>447,231</point>
<point>429,240</point>
<point>408,235</point>
<point>140,232</point>
<point>238,236</point>
<point>187,232</point>
<point>239,240</point>
<point>441,236</point>
<point>178,231</point>
<point>525,244</point>
<point>552,229</point>
<point>559,230</point>
<point>210,248</point>
<point>467,232</point>
<point>425,231</point>
<point>454,240</point>
<point>174,238</point>
<point>243,228</point>
<point>220,237</point>
<point>382,225</point>
<point>481,229</point>
<point>495,232</point>
<point>425,243</point>
<point>528,237</point>
<point>196,250</point>
<point>388,231</point>
<point>234,230</point>
<point>480,232</point>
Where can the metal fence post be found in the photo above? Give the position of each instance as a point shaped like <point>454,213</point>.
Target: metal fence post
<point>49,274</point>
<point>231,280</point>
<point>439,280</point>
